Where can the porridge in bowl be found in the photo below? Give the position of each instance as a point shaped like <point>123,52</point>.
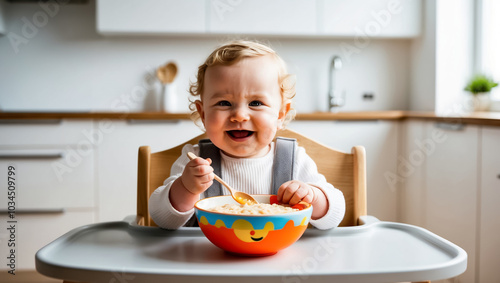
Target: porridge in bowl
<point>253,209</point>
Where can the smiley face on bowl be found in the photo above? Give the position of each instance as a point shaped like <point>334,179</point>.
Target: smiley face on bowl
<point>254,235</point>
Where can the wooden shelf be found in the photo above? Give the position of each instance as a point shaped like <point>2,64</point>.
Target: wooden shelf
<point>363,115</point>
<point>94,115</point>
<point>475,118</point>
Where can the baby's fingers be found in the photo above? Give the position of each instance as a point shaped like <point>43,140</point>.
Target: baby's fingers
<point>200,167</point>
<point>205,179</point>
<point>304,193</point>
<point>281,191</point>
<point>301,194</point>
<point>289,189</point>
<point>193,156</point>
<point>309,197</point>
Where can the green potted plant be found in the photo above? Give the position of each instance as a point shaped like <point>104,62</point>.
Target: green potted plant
<point>480,86</point>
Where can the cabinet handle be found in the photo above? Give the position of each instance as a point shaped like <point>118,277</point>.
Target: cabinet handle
<point>34,211</point>
<point>31,121</point>
<point>347,121</point>
<point>450,126</point>
<point>143,121</point>
<point>32,155</point>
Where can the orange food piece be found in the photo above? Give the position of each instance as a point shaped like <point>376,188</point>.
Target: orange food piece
<point>273,199</point>
<point>299,206</point>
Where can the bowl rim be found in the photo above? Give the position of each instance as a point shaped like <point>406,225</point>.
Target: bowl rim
<point>248,215</point>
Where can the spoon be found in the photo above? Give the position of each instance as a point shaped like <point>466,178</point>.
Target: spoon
<point>167,73</point>
<point>240,197</point>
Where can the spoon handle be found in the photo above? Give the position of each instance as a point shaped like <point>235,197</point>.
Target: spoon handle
<point>223,183</point>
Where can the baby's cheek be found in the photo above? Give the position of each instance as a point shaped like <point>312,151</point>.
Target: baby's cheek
<point>266,137</point>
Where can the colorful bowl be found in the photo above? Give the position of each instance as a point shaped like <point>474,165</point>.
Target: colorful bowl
<point>252,235</point>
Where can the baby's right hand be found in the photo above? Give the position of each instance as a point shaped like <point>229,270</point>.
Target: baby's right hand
<point>198,175</point>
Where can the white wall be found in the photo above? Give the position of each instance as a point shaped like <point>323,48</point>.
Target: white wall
<point>58,62</point>
<point>423,63</point>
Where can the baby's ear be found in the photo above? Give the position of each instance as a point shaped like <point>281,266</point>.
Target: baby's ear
<point>285,108</point>
<point>199,109</point>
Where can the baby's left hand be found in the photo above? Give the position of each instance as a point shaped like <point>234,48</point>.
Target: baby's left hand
<point>292,192</point>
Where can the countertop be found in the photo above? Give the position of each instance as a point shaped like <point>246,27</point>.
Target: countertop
<point>475,118</point>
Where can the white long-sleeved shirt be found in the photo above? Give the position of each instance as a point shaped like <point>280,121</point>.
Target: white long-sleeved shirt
<point>250,175</point>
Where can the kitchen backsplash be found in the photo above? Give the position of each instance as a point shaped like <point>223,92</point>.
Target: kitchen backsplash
<point>62,64</point>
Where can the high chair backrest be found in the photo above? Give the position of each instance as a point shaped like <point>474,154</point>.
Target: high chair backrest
<point>345,171</point>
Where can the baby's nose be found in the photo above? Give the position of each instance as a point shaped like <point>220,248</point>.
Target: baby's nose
<point>239,115</point>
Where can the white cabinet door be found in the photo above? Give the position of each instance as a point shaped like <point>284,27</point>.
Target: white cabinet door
<point>278,17</point>
<point>53,163</point>
<point>46,133</point>
<point>489,240</point>
<point>451,186</point>
<point>370,18</point>
<point>150,16</point>
<point>410,175</point>
<point>357,18</point>
<point>48,179</point>
<point>117,160</point>
<point>32,232</point>
<point>47,184</point>
<point>380,139</point>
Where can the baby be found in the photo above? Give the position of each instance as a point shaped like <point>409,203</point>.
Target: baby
<point>244,97</point>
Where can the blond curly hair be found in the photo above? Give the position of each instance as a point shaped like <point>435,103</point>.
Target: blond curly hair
<point>231,53</point>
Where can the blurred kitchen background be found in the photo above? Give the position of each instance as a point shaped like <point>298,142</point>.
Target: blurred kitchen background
<point>79,93</point>
<point>86,55</point>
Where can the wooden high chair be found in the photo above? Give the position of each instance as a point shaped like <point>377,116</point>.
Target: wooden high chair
<point>345,171</point>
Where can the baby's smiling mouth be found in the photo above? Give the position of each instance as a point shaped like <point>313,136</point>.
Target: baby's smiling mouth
<point>239,134</point>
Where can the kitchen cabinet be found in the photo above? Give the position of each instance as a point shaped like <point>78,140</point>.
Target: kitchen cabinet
<point>117,160</point>
<point>34,231</point>
<point>151,16</point>
<point>51,188</point>
<point>489,194</point>
<point>449,182</point>
<point>359,19</point>
<point>380,139</point>
<point>45,133</point>
<point>373,18</point>
<point>410,173</point>
<point>276,17</point>
<point>451,152</point>
<point>438,176</point>
<point>53,163</point>
<point>50,180</point>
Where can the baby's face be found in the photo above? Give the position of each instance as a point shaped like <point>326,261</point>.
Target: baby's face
<point>241,107</point>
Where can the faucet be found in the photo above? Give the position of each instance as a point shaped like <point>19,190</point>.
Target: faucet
<point>335,98</point>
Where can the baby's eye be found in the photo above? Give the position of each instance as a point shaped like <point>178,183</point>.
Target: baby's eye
<point>223,103</point>
<point>256,103</point>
